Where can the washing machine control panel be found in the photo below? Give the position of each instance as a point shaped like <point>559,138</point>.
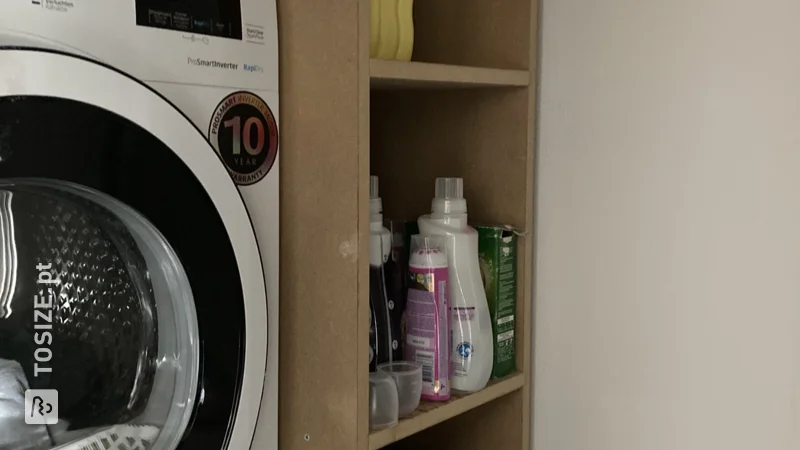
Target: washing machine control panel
<point>218,18</point>
<point>227,43</point>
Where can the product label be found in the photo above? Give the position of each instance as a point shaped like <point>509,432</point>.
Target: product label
<point>395,272</point>
<point>497,249</point>
<point>461,359</point>
<point>463,312</point>
<point>463,351</point>
<point>506,304</point>
<point>55,5</point>
<point>428,329</point>
<point>395,344</point>
<point>244,132</point>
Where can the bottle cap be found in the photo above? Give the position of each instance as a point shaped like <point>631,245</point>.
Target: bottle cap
<point>449,197</point>
<point>375,204</point>
<point>373,187</point>
<point>448,188</point>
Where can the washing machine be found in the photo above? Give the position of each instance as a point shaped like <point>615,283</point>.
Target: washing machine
<point>139,224</point>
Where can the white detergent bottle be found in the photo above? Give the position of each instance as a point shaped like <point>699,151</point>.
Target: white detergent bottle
<point>472,351</point>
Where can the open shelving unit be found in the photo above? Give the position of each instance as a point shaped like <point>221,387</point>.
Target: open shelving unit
<point>463,107</point>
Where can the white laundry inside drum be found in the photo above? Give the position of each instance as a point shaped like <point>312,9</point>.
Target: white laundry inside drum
<point>123,346</point>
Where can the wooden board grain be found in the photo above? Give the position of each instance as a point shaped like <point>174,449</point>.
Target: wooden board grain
<point>319,355</point>
<point>362,345</point>
<point>526,310</point>
<point>417,75</point>
<point>480,33</point>
<point>480,135</point>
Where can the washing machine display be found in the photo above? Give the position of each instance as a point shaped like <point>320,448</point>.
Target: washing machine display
<point>132,297</point>
<point>221,18</point>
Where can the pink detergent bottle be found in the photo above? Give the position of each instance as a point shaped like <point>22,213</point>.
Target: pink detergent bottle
<point>428,315</point>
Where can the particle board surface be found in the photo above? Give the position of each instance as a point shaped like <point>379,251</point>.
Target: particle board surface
<point>319,377</point>
<point>362,347</point>
<point>478,134</point>
<point>334,130</point>
<point>526,310</point>
<point>480,33</point>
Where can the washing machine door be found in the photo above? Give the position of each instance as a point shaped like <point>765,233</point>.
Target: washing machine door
<point>132,300</point>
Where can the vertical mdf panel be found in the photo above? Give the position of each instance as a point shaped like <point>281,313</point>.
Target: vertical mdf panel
<point>319,377</point>
<point>526,311</point>
<point>363,157</point>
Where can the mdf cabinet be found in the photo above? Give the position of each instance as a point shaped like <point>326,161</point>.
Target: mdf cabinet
<point>463,107</point>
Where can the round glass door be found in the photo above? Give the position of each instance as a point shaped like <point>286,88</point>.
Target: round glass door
<point>130,278</point>
<point>97,323</point>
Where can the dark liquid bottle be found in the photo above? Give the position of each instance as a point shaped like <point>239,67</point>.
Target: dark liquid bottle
<point>380,241</point>
<point>380,334</point>
<point>395,272</point>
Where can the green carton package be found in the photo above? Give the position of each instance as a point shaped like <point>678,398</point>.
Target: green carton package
<point>497,251</point>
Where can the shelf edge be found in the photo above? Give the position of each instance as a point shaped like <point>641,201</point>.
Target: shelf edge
<point>385,73</point>
<point>409,427</point>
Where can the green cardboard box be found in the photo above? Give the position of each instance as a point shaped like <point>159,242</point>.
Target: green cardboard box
<point>497,251</point>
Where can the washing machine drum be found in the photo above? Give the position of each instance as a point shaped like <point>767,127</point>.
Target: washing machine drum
<point>86,281</point>
<point>132,298</point>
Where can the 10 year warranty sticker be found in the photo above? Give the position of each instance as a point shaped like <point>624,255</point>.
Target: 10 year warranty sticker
<point>244,132</point>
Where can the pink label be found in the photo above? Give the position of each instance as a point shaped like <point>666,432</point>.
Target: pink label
<point>428,330</point>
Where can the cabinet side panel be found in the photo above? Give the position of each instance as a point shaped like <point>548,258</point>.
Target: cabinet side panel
<point>526,310</point>
<point>319,225</point>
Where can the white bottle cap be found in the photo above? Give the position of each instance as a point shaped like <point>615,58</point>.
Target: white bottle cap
<point>375,203</point>
<point>449,197</point>
<point>373,187</point>
<point>450,188</point>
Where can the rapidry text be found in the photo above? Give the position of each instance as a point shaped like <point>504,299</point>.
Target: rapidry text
<point>252,68</point>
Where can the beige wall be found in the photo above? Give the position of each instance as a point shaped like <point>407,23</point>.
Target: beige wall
<point>668,265</point>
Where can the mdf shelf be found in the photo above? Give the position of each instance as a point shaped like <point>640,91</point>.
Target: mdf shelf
<point>431,413</point>
<point>385,74</point>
